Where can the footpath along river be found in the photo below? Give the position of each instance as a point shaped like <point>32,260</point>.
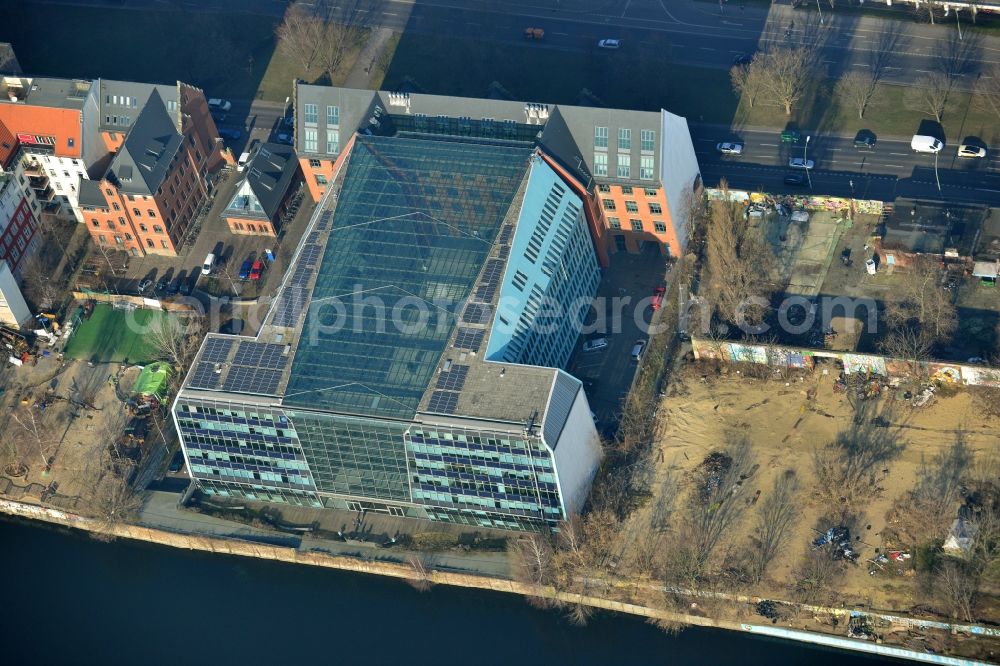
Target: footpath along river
<point>71,600</point>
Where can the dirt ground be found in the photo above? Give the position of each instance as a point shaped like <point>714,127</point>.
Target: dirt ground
<point>785,425</point>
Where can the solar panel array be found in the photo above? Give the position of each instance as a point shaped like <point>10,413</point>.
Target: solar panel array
<point>490,280</point>
<point>506,231</point>
<point>323,222</point>
<point>293,298</point>
<point>443,402</point>
<point>216,350</point>
<point>469,338</point>
<point>256,368</point>
<point>242,379</point>
<point>204,376</point>
<point>476,313</point>
<point>261,355</point>
<point>454,379</point>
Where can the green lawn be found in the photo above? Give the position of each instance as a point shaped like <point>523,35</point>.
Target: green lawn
<point>114,335</point>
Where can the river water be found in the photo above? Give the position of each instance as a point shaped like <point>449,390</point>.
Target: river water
<point>71,600</point>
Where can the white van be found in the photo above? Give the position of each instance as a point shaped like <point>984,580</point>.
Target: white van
<point>925,144</point>
<point>242,162</point>
<point>206,268</point>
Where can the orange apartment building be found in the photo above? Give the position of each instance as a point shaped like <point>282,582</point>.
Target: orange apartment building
<point>636,170</point>
<point>263,198</point>
<point>160,154</point>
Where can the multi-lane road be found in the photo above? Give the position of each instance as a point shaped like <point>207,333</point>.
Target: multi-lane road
<point>891,170</point>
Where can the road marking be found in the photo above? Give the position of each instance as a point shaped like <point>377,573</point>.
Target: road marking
<point>770,145</point>
<point>706,48</point>
<point>899,154</point>
<point>894,166</point>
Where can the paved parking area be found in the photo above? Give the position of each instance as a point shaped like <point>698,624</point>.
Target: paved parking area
<point>804,249</point>
<point>621,314</point>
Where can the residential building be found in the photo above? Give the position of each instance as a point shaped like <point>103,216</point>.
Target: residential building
<point>18,220</point>
<point>636,170</point>
<point>156,179</point>
<point>410,365</point>
<point>269,184</point>
<point>14,311</point>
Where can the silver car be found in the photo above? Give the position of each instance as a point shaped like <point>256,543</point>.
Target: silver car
<point>799,163</point>
<point>970,150</point>
<point>730,148</point>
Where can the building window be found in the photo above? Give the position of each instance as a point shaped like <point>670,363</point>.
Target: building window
<point>95,222</point>
<point>310,140</point>
<point>119,241</point>
<point>609,204</point>
<point>71,142</point>
<point>121,221</point>
<point>332,141</point>
<point>333,116</point>
<point>614,223</point>
<point>626,189</point>
<point>631,207</point>
<point>151,212</point>
<point>624,166</point>
<point>647,140</point>
<point>600,137</point>
<point>604,188</point>
<point>116,206</point>
<point>624,139</point>
<point>646,168</point>
<point>651,192</point>
<point>149,243</point>
<point>104,240</point>
<point>314,164</point>
<point>135,211</point>
<point>660,227</point>
<point>655,208</point>
<point>636,225</point>
<point>320,179</point>
<point>142,228</point>
<point>600,164</point>
<point>128,237</point>
<point>164,245</point>
<point>111,225</point>
<point>157,228</point>
<point>310,114</point>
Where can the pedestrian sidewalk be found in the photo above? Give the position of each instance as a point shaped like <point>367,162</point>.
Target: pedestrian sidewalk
<point>360,75</point>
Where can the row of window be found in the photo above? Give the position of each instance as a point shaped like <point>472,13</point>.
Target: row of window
<point>253,228</point>
<point>624,168</point>
<point>310,141</point>
<point>647,139</point>
<point>157,229</point>
<point>628,190</point>
<point>631,206</point>
<point>615,223</point>
<point>310,115</point>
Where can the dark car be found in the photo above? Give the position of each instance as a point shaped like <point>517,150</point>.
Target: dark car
<point>176,463</point>
<point>144,284</point>
<point>161,285</point>
<point>245,269</point>
<point>256,270</point>
<point>227,133</point>
<point>790,136</point>
<point>174,287</point>
<point>795,179</point>
<point>743,59</point>
<point>865,140</point>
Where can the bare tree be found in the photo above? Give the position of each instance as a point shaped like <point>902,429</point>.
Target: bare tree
<point>815,574</point>
<point>778,512</point>
<point>957,584</point>
<point>858,88</point>
<point>532,557</point>
<point>907,343</point>
<point>748,80</point>
<point>848,468</point>
<point>39,284</point>
<point>939,486</point>
<point>31,437</point>
<point>921,302</point>
<point>421,580</point>
<point>739,263</point>
<point>343,32</point>
<point>176,340</point>
<point>300,34</point>
<point>931,96</point>
<point>987,91</point>
<point>786,73</point>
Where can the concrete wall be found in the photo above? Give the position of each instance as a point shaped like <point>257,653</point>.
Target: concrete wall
<point>679,173</point>
<point>13,310</point>
<point>577,455</point>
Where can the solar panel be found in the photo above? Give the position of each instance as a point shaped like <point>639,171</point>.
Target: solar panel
<point>443,402</point>
<point>216,350</point>
<point>242,379</point>
<point>312,237</point>
<point>469,338</point>
<point>261,355</point>
<point>204,376</point>
<point>476,313</point>
<point>454,379</point>
<point>490,280</point>
<point>505,233</point>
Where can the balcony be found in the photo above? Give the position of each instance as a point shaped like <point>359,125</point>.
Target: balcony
<point>33,168</point>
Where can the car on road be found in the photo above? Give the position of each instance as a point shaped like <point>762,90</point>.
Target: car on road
<point>795,179</point>
<point>144,284</point>
<point>658,293</point>
<point>245,269</point>
<point>610,43</point>
<point>256,270</point>
<point>790,136</point>
<point>637,349</point>
<point>730,148</point>
<point>217,104</point>
<point>971,150</point>
<point>229,133</point>
<point>922,143</point>
<point>595,344</point>
<point>799,163</point>
<point>865,140</point>
<point>176,463</point>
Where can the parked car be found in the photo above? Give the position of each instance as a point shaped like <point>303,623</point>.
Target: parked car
<point>637,349</point>
<point>256,270</point>
<point>229,133</point>
<point>161,285</point>
<point>790,136</point>
<point>922,143</point>
<point>144,284</point>
<point>795,179</point>
<point>730,148</point>
<point>245,269</point>
<point>799,163</point>
<point>610,43</point>
<point>217,104</point>
<point>658,293</point>
<point>174,287</point>
<point>206,268</point>
<point>865,140</point>
<point>971,150</point>
<point>595,344</point>
<point>176,463</point>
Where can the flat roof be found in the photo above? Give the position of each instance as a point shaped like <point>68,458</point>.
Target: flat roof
<point>44,91</point>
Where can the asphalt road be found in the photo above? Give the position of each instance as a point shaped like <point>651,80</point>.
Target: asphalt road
<point>891,170</point>
<point>687,31</point>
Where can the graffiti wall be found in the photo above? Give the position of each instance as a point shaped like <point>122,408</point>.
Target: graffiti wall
<point>795,357</point>
<point>804,202</point>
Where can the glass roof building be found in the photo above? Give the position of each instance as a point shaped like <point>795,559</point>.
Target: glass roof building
<point>390,374</point>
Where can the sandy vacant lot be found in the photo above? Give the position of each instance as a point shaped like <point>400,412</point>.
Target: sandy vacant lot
<point>786,418</point>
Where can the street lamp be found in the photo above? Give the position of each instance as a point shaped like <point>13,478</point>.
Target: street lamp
<point>937,177</point>
<point>820,12</point>
<point>805,161</point>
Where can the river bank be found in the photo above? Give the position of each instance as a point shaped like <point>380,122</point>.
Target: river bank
<point>420,577</point>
